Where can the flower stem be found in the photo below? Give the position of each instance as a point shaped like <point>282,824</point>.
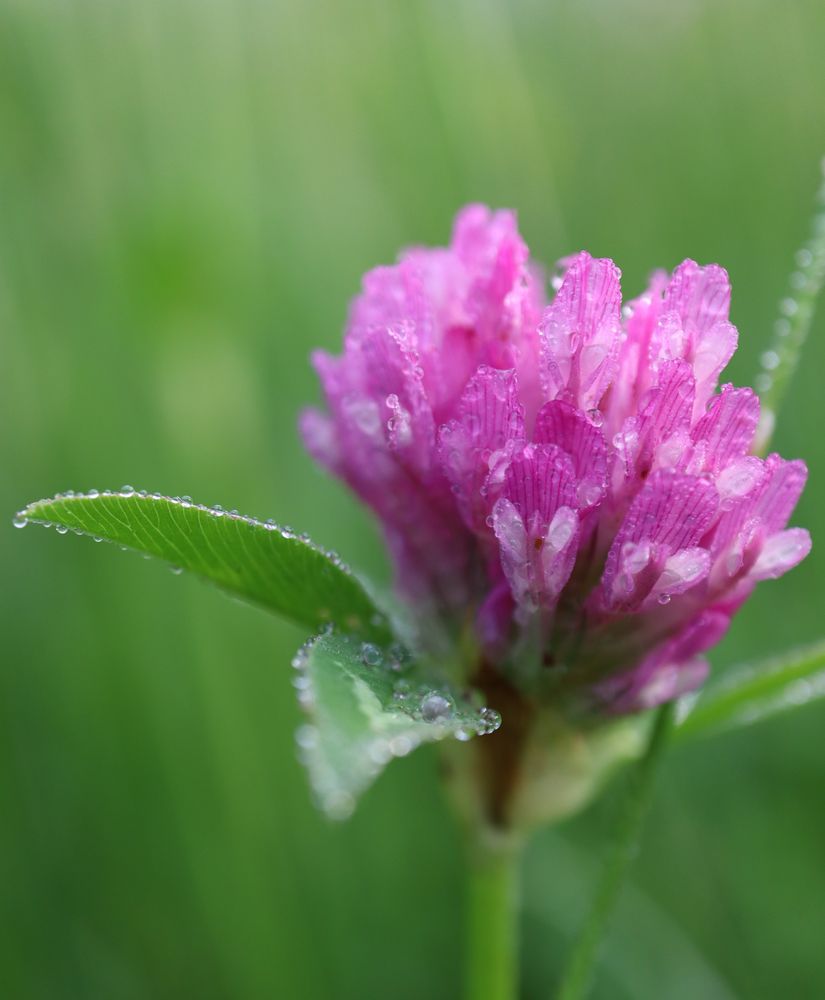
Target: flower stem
<point>579,970</point>
<point>492,922</point>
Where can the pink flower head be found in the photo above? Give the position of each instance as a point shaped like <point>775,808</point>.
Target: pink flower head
<point>565,476</point>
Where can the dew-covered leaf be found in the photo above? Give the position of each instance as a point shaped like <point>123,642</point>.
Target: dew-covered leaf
<point>366,706</point>
<point>749,694</point>
<point>796,313</point>
<point>259,562</point>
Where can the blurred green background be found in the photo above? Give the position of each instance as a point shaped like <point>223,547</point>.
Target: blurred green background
<point>189,193</point>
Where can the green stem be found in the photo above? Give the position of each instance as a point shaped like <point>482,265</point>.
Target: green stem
<point>492,919</point>
<point>580,966</point>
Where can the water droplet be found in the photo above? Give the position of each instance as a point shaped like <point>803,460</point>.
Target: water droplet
<point>92,494</point>
<point>20,520</point>
<point>380,753</point>
<point>770,360</point>
<point>804,257</point>
<point>663,599</point>
<point>127,491</point>
<point>399,657</point>
<point>435,707</point>
<point>489,720</point>
<point>306,737</point>
<point>371,654</point>
<point>338,805</point>
<point>176,570</point>
<point>588,494</point>
<point>97,538</point>
<point>62,529</point>
<point>788,307</point>
<point>400,746</point>
<point>596,417</point>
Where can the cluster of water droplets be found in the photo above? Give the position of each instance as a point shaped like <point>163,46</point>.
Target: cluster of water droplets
<point>790,331</point>
<point>35,514</point>
<point>412,712</point>
<point>31,514</point>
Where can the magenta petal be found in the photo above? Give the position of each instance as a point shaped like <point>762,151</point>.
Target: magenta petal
<point>700,296</point>
<point>694,324</point>
<point>474,449</point>
<point>783,485</point>
<point>321,440</point>
<point>538,481</point>
<point>563,425</point>
<point>495,618</point>
<point>781,552</point>
<point>671,513</point>
<point>581,332</point>
<point>727,429</point>
<point>658,435</point>
<point>671,670</point>
<point>537,526</point>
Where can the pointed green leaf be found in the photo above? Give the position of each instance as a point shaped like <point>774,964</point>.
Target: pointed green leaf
<point>749,694</point>
<point>260,562</point>
<point>365,708</point>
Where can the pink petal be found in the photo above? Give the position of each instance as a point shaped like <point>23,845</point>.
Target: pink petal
<point>563,425</point>
<point>474,449</point>
<point>537,526</point>
<point>581,332</point>
<point>781,552</point>
<point>727,429</point>
<point>672,512</point>
<point>538,481</point>
<point>671,670</point>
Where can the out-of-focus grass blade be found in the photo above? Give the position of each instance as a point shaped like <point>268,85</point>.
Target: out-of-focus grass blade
<point>260,562</point>
<point>367,706</point>
<point>749,694</point>
<point>779,362</point>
